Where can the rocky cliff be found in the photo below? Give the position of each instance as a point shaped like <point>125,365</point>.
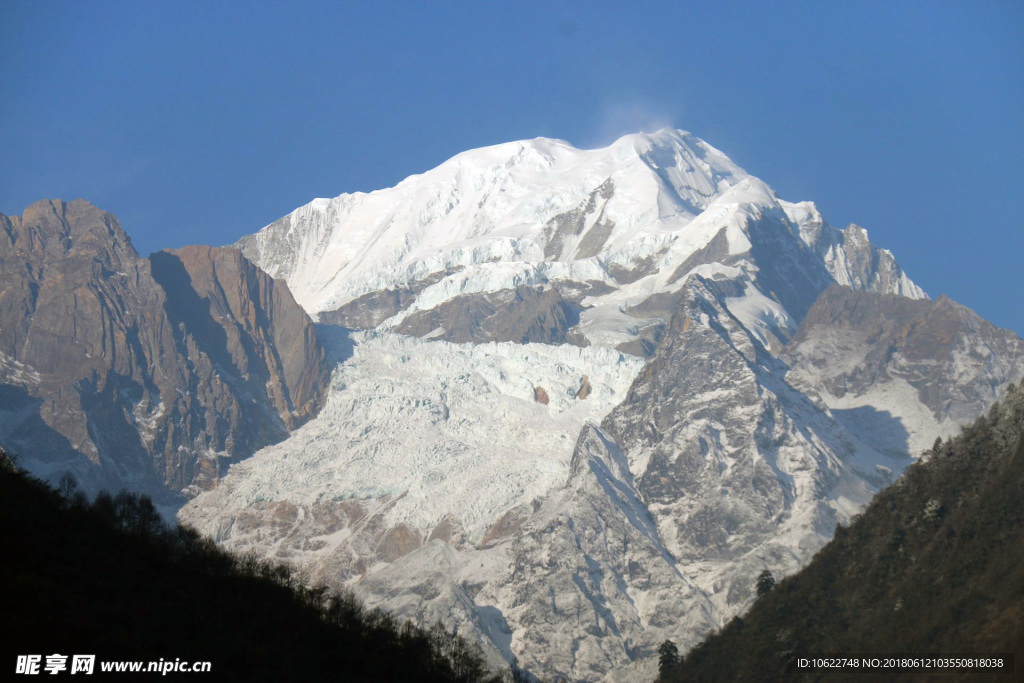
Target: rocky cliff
<point>856,347</point>
<point>151,374</point>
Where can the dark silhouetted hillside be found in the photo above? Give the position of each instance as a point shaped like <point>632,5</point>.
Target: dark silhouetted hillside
<point>110,578</point>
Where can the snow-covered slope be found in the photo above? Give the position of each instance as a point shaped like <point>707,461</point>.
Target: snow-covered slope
<point>442,431</point>
<point>621,223</point>
<point>531,201</point>
<point>631,392</point>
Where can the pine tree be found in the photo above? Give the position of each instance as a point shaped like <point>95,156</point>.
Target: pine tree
<point>765,583</point>
<point>668,658</point>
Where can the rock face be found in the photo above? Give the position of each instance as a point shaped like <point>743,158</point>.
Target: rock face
<point>725,453</point>
<point>932,565</point>
<point>584,389</point>
<point>857,347</point>
<point>249,322</point>
<point>523,315</point>
<point>153,373</point>
<point>373,308</point>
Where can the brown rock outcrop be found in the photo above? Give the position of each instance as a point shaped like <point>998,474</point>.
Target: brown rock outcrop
<point>506,526</point>
<point>147,373</point>
<point>267,336</point>
<point>584,389</point>
<point>450,531</point>
<point>522,315</point>
<point>398,541</point>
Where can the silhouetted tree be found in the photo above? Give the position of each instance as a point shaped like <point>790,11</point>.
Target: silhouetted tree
<point>67,485</point>
<point>765,583</point>
<point>137,514</point>
<point>668,657</point>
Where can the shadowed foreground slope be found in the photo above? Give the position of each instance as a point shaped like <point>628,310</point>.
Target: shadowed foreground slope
<point>932,566</point>
<point>109,579</point>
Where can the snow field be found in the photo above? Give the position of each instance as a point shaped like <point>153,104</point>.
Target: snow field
<point>451,429</point>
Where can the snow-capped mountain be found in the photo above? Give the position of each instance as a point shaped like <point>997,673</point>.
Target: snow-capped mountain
<point>533,201</point>
<point>612,226</point>
<point>634,387</point>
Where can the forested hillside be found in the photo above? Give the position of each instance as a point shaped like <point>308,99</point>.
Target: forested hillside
<point>109,578</point>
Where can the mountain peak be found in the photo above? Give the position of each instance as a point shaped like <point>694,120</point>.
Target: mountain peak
<point>635,217</point>
<point>58,228</point>
<point>660,137</point>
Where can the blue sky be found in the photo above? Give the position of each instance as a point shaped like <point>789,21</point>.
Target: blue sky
<point>198,122</point>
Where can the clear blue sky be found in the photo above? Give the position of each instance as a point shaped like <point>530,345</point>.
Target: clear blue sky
<point>198,122</point>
